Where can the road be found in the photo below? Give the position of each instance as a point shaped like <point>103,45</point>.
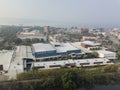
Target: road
<point>113,39</point>
<point>16,68</point>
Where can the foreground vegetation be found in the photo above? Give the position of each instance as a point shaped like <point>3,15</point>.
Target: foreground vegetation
<point>65,78</point>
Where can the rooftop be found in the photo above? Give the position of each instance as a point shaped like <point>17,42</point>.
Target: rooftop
<point>78,45</point>
<point>91,43</point>
<point>26,52</point>
<point>59,47</point>
<point>42,47</point>
<point>5,58</point>
<point>66,47</point>
<point>105,52</point>
<point>91,62</point>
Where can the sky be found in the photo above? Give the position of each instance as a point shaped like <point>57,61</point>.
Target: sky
<point>62,12</point>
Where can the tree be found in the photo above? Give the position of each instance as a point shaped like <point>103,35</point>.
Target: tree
<point>88,78</point>
<point>118,56</point>
<point>95,54</point>
<point>109,68</point>
<point>69,81</point>
<point>27,42</point>
<point>18,41</point>
<point>35,40</point>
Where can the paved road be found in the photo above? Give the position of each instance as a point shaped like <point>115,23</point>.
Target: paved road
<point>113,39</point>
<point>16,68</point>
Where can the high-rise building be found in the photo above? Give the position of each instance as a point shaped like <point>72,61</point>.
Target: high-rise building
<point>46,32</point>
<point>84,30</point>
<point>46,29</point>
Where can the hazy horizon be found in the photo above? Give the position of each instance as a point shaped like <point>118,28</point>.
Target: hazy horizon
<point>38,22</point>
<point>81,13</point>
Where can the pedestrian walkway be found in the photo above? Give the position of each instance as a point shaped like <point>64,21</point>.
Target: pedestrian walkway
<point>16,65</point>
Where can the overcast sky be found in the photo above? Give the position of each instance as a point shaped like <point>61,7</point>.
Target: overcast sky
<point>90,12</point>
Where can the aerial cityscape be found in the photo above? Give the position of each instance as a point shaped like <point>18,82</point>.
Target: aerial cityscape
<point>44,46</point>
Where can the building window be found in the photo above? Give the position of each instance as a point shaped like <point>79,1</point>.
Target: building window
<point>109,61</point>
<point>1,67</point>
<point>54,66</point>
<point>98,62</point>
<point>41,67</point>
<point>84,63</point>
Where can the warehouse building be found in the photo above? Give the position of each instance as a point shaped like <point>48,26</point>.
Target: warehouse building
<point>72,63</point>
<point>36,55</point>
<point>107,54</point>
<point>90,45</point>
<point>29,61</point>
<point>48,50</point>
<point>34,34</point>
<point>43,51</point>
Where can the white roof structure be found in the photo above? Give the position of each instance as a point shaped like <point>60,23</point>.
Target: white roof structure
<point>65,47</point>
<point>77,63</point>
<point>56,43</point>
<point>78,45</point>
<point>5,58</point>
<point>48,63</point>
<point>34,32</point>
<point>105,52</point>
<point>42,47</point>
<point>92,62</point>
<point>91,43</point>
<point>119,36</point>
<point>26,52</point>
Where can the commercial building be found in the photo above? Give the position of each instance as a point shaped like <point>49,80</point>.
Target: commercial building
<point>48,50</point>
<point>115,32</point>
<point>72,63</point>
<point>39,52</point>
<point>92,38</point>
<point>119,37</point>
<point>25,58</point>
<point>46,29</point>
<point>84,30</point>
<point>42,51</point>
<point>34,34</point>
<point>91,45</point>
<point>107,54</point>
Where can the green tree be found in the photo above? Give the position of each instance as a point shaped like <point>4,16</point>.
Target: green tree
<point>108,68</point>
<point>118,56</point>
<point>95,54</point>
<point>88,78</point>
<point>18,41</point>
<point>69,81</point>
